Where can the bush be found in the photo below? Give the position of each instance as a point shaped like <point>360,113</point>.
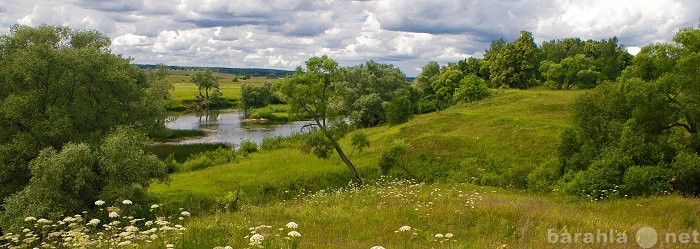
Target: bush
<point>543,178</point>
<point>72,179</point>
<point>207,159</point>
<point>686,167</point>
<point>471,88</point>
<point>272,143</point>
<point>645,181</point>
<point>399,110</point>
<point>247,147</point>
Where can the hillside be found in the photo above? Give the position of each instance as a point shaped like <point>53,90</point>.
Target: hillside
<point>498,141</point>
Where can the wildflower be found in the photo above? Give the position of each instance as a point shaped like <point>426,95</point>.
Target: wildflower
<point>44,221</point>
<point>439,236</point>
<point>294,234</point>
<point>185,213</point>
<point>449,235</point>
<point>148,223</point>
<point>127,202</point>
<point>228,247</point>
<point>94,222</point>
<point>99,202</point>
<point>405,229</point>
<point>30,218</point>
<point>377,247</point>
<point>292,224</point>
<point>154,206</point>
<point>113,215</point>
<point>256,239</point>
<point>169,246</point>
<point>123,243</point>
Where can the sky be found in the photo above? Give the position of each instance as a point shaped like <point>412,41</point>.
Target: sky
<point>283,34</point>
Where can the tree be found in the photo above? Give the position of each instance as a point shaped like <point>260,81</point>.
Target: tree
<point>516,64</point>
<point>444,87</point>
<point>69,181</point>
<point>205,80</point>
<point>59,85</point>
<point>365,90</point>
<point>579,71</point>
<point>310,92</point>
<point>641,132</point>
<point>255,96</point>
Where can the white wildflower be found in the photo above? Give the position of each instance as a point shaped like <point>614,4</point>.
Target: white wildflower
<point>449,235</point>
<point>127,202</point>
<point>292,225</point>
<point>169,246</point>
<point>43,221</point>
<point>99,202</point>
<point>256,239</point>
<point>94,222</point>
<point>154,206</point>
<point>123,243</point>
<point>439,236</point>
<point>294,234</point>
<point>113,215</point>
<point>30,218</point>
<point>405,229</point>
<point>185,213</point>
<point>377,247</point>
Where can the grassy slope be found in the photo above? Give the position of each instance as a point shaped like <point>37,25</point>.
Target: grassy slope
<point>499,140</point>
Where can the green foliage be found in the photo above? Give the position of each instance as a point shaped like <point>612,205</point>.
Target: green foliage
<point>207,159</point>
<point>359,141</point>
<point>247,146</point>
<point>577,71</point>
<point>471,88</point>
<point>255,96</point>
<point>74,178</point>
<point>516,64</point>
<point>646,180</point>
<point>399,110</point>
<point>634,129</point>
<point>686,177</point>
<point>310,93</point>
<point>62,85</point>
<point>445,86</point>
<point>396,155</point>
<point>366,90</point>
<point>206,81</point>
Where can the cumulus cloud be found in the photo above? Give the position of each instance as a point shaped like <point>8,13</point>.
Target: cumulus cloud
<point>285,33</point>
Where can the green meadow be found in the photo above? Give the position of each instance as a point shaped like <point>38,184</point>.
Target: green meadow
<point>480,169</point>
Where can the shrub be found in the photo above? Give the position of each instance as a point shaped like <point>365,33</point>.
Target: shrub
<point>645,181</point>
<point>471,88</point>
<point>207,159</point>
<point>399,110</point>
<point>686,172</point>
<point>247,147</point>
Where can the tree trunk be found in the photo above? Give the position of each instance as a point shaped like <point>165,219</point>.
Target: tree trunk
<point>347,162</point>
<point>340,152</point>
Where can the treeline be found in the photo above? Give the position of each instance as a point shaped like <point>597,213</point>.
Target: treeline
<point>245,72</point>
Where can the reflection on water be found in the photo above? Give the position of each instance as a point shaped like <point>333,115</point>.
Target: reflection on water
<point>227,126</point>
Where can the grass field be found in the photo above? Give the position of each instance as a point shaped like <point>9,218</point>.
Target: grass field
<point>499,142</point>
<point>185,90</point>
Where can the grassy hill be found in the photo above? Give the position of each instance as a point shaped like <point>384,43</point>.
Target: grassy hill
<point>508,141</point>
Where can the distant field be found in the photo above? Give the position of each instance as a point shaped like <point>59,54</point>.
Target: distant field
<point>186,90</point>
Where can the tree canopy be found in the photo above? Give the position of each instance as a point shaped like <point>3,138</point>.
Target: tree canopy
<point>59,85</point>
<point>640,133</point>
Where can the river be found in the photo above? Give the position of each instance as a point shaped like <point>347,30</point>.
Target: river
<point>227,126</point>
